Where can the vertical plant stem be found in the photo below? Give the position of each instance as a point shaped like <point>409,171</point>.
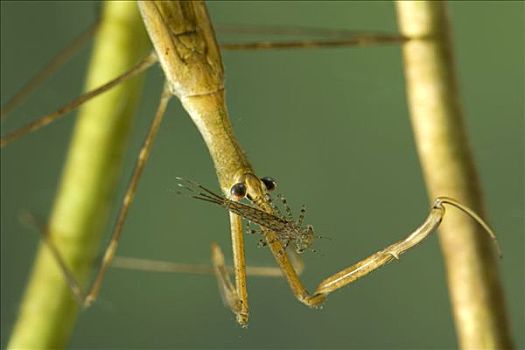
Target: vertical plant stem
<point>448,167</point>
<point>48,312</point>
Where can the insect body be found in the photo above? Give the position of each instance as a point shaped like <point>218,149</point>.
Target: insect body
<point>288,230</point>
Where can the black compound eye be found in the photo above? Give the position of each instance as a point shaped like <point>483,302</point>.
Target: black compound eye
<point>238,191</point>
<point>269,183</point>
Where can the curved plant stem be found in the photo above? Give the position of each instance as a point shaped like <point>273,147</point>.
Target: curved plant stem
<point>48,311</point>
<point>475,290</point>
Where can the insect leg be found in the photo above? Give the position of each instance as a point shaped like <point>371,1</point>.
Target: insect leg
<point>93,291</point>
<point>49,118</point>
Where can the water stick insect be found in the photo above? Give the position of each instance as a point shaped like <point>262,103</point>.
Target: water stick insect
<point>195,101</point>
<point>204,99</point>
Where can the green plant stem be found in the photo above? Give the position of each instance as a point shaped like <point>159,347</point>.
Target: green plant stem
<point>48,312</point>
<point>448,167</point>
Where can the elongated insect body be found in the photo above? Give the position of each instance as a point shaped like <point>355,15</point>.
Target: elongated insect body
<point>288,231</point>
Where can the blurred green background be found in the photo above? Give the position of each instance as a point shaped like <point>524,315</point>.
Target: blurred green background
<point>331,126</point>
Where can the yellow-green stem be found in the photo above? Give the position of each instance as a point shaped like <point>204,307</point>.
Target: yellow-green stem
<point>448,167</point>
<point>48,312</point>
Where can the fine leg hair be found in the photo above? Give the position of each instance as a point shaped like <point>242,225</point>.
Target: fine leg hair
<point>302,212</point>
<point>286,207</point>
<point>274,207</point>
<point>250,228</point>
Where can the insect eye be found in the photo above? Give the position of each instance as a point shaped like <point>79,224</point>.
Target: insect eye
<point>238,191</point>
<point>269,183</point>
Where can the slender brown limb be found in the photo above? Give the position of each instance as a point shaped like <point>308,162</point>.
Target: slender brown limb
<point>130,194</point>
<point>338,37</point>
<point>448,167</point>
<point>256,192</point>
<point>239,266</point>
<point>251,29</point>
<point>49,69</point>
<point>362,40</point>
<point>394,251</point>
<point>149,265</point>
<point>86,299</point>
<point>49,118</point>
<point>227,289</point>
<point>367,265</point>
<point>43,229</point>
